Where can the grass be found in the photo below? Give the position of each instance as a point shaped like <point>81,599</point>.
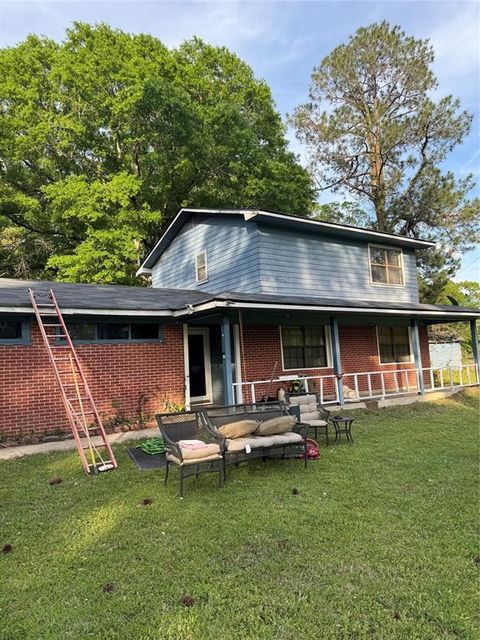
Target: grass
<point>380,542</point>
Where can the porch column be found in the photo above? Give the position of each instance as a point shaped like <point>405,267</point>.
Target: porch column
<point>337,362</point>
<point>227,362</point>
<point>417,354</point>
<point>476,358</point>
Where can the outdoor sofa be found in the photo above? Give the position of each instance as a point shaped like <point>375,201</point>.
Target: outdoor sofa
<point>206,425</point>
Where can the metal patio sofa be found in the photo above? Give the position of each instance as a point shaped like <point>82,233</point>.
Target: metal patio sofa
<point>285,445</point>
<point>202,424</point>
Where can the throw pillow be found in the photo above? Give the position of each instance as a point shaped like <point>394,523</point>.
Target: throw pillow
<point>274,426</point>
<point>238,429</point>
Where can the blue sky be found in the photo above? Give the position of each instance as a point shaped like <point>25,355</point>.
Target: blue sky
<point>283,41</point>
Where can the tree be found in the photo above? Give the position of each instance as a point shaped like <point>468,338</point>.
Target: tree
<point>103,137</point>
<point>467,294</point>
<point>374,132</point>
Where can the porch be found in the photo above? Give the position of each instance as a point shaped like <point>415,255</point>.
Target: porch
<point>247,352</point>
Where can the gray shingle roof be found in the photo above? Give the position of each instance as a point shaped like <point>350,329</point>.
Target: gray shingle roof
<point>14,293</point>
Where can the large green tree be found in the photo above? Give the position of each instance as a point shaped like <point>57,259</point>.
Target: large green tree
<point>103,137</point>
<point>375,133</point>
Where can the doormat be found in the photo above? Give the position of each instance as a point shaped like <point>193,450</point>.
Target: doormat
<point>146,461</point>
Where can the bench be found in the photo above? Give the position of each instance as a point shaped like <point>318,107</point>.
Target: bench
<point>286,445</point>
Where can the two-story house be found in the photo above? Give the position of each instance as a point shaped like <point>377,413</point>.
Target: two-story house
<point>242,302</point>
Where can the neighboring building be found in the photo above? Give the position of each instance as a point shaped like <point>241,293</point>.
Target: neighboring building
<point>238,300</point>
<point>446,355</point>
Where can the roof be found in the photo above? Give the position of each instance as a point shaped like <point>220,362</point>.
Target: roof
<point>103,299</point>
<point>115,300</point>
<point>332,305</point>
<point>284,220</point>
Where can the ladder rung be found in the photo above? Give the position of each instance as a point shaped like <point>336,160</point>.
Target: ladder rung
<point>51,324</point>
<point>56,335</point>
<point>45,304</point>
<point>77,398</point>
<point>100,444</point>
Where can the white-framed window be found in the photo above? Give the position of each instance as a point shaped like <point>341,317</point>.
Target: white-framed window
<point>394,346</point>
<point>305,347</point>
<point>386,265</point>
<point>201,271</point>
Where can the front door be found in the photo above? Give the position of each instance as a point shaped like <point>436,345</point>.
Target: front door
<point>200,379</point>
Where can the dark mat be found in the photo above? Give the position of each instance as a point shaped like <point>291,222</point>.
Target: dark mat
<point>146,461</point>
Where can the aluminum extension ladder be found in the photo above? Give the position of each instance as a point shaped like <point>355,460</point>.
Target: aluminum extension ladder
<point>83,417</point>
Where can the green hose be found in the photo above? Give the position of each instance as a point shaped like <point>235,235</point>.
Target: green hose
<point>153,446</point>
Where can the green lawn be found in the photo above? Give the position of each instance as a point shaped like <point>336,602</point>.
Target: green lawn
<point>380,542</point>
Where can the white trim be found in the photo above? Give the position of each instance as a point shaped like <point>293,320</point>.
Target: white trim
<point>203,331</point>
<point>238,364</point>
<point>410,346</point>
<point>220,304</point>
<point>248,214</point>
<point>96,312</point>
<point>186,370</point>
<point>204,254</point>
<point>328,349</point>
<point>386,284</point>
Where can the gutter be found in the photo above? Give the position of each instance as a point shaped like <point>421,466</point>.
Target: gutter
<point>329,309</point>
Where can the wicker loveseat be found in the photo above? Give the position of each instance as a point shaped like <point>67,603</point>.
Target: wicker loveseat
<point>290,444</point>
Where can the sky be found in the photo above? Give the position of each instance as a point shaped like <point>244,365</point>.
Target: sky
<point>284,41</point>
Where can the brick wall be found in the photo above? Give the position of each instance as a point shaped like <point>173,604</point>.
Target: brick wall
<point>117,374</point>
<point>358,351</point>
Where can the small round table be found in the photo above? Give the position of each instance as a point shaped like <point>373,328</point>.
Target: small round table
<point>342,425</point>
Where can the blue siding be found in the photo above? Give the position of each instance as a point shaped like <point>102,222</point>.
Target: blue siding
<point>245,257</point>
<point>307,264</point>
<point>232,256</point>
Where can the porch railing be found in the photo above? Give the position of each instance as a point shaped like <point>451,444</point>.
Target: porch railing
<point>364,385</point>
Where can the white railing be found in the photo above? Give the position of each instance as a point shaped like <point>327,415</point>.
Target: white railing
<point>363,385</point>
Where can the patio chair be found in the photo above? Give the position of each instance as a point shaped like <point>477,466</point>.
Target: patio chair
<point>176,427</point>
<point>309,412</point>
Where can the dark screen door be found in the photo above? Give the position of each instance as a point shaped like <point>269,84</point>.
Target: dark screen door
<point>196,366</point>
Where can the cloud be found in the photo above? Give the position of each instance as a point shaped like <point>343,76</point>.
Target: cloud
<point>456,42</point>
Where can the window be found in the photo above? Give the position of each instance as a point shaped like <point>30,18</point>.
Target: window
<point>386,265</point>
<point>13,331</point>
<point>394,345</point>
<point>201,267</point>
<point>115,331</point>
<point>304,347</point>
<point>10,329</point>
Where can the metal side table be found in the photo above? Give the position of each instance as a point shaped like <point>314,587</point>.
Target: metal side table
<point>342,425</point>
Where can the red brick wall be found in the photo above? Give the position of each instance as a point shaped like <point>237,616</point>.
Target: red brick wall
<point>117,374</point>
<point>358,351</point>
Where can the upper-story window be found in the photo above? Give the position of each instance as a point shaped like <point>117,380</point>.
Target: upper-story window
<point>201,272</point>
<point>14,331</point>
<point>386,265</point>
<point>304,347</point>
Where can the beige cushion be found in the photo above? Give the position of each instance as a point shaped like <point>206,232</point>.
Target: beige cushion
<point>238,429</point>
<point>317,423</point>
<point>275,425</point>
<point>309,415</point>
<point>196,454</point>
<point>172,458</point>
<point>302,400</point>
<point>287,438</point>
<point>255,442</point>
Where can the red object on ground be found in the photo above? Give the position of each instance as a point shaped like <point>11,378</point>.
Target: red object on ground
<point>313,452</point>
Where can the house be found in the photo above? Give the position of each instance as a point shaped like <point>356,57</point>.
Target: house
<point>242,302</point>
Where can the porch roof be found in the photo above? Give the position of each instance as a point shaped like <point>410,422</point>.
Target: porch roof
<point>277,302</point>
